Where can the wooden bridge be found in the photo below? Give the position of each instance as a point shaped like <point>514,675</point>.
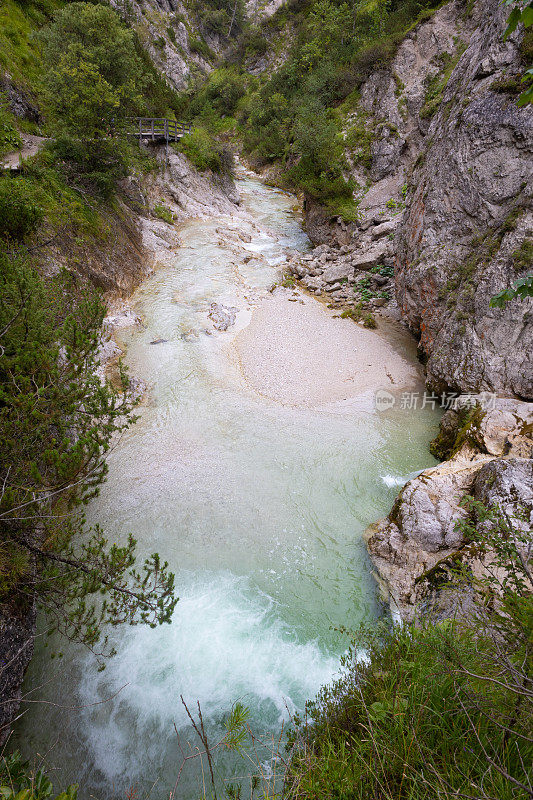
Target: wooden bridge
<point>157,129</point>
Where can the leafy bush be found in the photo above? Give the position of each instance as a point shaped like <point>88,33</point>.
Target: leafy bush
<point>202,150</point>
<point>369,321</point>
<point>198,45</point>
<point>164,213</point>
<point>336,47</point>
<point>221,92</point>
<point>96,165</point>
<point>319,170</point>
<point>220,17</point>
<point>93,70</point>
<point>18,782</point>
<point>20,214</point>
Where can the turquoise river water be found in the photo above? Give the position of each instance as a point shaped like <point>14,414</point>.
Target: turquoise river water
<point>260,510</point>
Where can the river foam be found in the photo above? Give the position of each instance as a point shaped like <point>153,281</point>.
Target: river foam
<point>226,643</point>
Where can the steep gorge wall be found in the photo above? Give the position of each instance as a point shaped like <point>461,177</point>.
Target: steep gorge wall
<point>446,200</point>
<point>451,169</point>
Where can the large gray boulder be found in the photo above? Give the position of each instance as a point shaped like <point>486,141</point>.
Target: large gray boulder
<point>421,533</point>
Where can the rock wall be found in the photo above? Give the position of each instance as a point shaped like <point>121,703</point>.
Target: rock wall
<point>17,634</point>
<point>168,32</point>
<point>451,177</point>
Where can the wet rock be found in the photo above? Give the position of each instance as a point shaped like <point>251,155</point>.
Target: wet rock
<point>223,317</point>
<point>107,351</point>
<point>159,341</point>
<point>245,237</point>
<point>420,530</point>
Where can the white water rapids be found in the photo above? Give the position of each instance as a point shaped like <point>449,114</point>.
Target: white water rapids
<point>258,507</point>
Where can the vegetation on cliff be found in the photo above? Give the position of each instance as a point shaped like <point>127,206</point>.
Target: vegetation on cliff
<point>57,417</point>
<point>57,420</point>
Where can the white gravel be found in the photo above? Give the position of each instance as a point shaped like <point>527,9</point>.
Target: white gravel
<point>299,354</point>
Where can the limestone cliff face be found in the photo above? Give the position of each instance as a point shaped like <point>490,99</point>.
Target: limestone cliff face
<point>169,34</point>
<point>451,173</point>
<point>464,236</point>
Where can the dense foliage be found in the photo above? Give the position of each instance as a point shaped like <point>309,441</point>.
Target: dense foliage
<point>57,420</point>
<point>522,14</point>
<point>294,115</point>
<point>219,17</point>
<point>18,782</point>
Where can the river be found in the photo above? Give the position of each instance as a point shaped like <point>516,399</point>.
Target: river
<point>258,506</point>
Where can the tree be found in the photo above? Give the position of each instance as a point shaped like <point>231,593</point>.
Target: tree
<point>442,709</point>
<point>57,421</point>
<point>93,71</point>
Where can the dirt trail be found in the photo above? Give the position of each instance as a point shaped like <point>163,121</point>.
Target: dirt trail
<point>30,147</point>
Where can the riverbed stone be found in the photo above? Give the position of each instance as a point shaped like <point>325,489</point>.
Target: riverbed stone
<point>223,317</point>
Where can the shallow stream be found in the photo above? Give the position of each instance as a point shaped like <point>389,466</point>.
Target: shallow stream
<point>260,510</point>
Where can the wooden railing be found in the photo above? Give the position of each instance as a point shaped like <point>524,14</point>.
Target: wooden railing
<point>157,129</point>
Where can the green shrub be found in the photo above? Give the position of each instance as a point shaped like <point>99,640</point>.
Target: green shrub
<point>20,214</point>
<point>219,17</point>
<point>18,782</point>
<point>221,93</point>
<point>164,213</point>
<point>369,321</point>
<point>523,256</point>
<point>9,136</point>
<point>96,165</point>
<point>201,150</point>
<point>198,45</point>
<point>93,72</point>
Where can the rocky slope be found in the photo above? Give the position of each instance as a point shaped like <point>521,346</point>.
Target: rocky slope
<point>446,198</point>
<point>445,158</point>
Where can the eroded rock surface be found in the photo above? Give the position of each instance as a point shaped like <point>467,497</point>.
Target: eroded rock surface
<point>494,464</point>
<point>447,196</point>
<point>17,635</point>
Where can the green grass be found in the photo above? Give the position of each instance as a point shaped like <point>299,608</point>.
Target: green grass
<point>9,136</point>
<point>20,53</point>
<point>64,209</point>
<point>393,727</point>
